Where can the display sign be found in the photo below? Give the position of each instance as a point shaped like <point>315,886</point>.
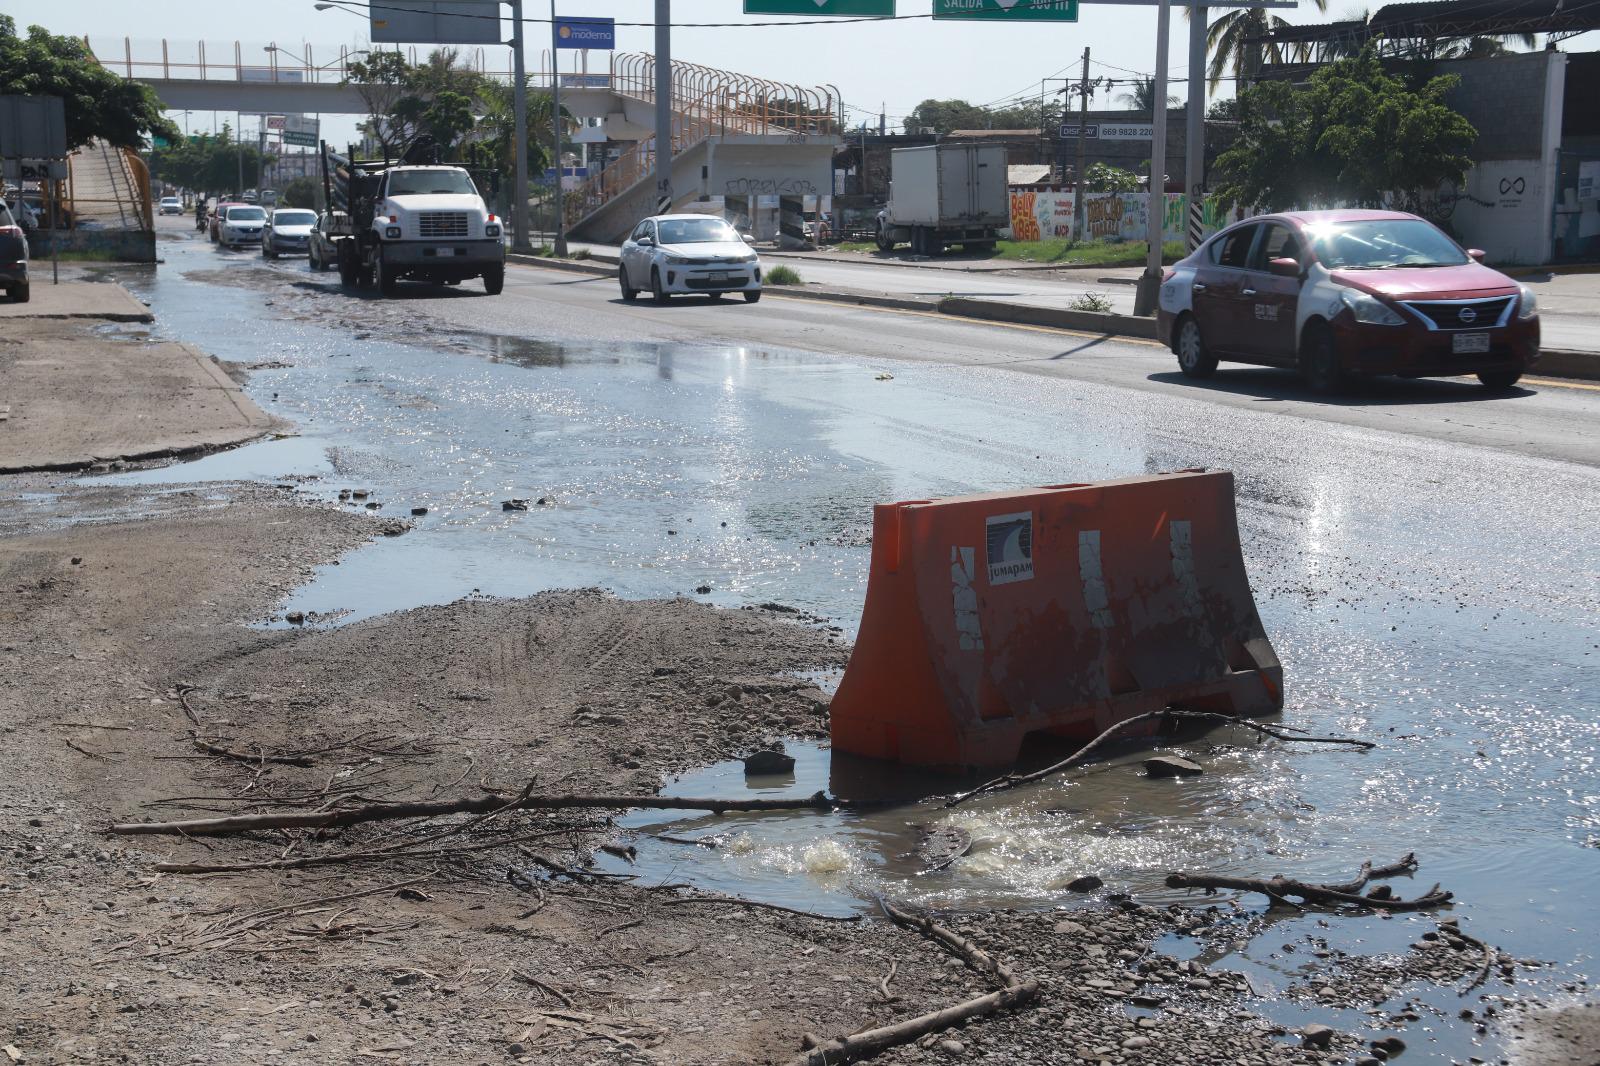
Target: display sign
<point>1589,180</point>
<point>1127,131</point>
<point>1008,10</point>
<point>435,22</point>
<point>33,126</point>
<point>585,81</point>
<point>1073,131</point>
<point>300,131</point>
<point>274,122</point>
<point>843,8</point>
<point>585,32</point>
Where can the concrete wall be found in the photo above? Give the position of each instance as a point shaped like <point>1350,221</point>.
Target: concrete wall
<point>1517,104</point>
<point>118,246</point>
<point>803,168</point>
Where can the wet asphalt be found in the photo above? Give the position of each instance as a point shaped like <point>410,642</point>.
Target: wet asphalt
<point>1423,554</point>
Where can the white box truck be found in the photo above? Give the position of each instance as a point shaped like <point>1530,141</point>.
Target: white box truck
<point>942,194</point>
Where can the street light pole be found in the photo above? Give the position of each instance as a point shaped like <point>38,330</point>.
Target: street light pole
<point>663,168</point>
<point>519,138</point>
<point>555,127</point>
<point>1194,154</point>
<point>1149,293</point>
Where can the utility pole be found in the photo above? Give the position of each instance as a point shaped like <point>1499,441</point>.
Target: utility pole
<point>519,138</point>
<point>1194,154</point>
<point>664,195</point>
<point>555,128</point>
<point>1149,292</point>
<point>1080,208</point>
<point>238,137</point>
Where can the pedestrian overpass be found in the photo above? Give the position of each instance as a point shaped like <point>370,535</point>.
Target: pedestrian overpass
<point>749,143</point>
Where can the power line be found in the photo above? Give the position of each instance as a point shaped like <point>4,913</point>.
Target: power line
<point>378,5</point>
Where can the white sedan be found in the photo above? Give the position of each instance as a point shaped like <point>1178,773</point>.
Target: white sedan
<point>674,254</point>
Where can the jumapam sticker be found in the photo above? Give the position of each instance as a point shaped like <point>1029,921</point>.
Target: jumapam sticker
<point>1009,539</point>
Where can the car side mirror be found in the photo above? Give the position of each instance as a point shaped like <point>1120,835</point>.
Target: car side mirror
<point>748,238</point>
<point>1477,254</point>
<point>646,242</point>
<point>1284,268</point>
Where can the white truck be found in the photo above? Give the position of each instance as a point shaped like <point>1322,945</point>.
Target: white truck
<point>943,194</point>
<point>422,221</point>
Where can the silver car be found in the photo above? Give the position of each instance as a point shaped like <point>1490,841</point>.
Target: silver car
<point>288,232</point>
<point>672,254</point>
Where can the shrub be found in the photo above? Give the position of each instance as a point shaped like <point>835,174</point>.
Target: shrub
<point>782,275</point>
<point>1091,301</point>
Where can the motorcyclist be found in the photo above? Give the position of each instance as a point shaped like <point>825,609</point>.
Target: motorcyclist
<point>200,214</point>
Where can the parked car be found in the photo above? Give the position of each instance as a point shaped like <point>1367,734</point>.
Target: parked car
<point>170,205</point>
<point>241,224</point>
<point>670,254</point>
<point>13,257</point>
<point>214,220</point>
<point>288,232</point>
<point>1341,293</point>
<point>323,251</point>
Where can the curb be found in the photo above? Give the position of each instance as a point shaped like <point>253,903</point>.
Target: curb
<point>1562,363</point>
<point>1554,362</point>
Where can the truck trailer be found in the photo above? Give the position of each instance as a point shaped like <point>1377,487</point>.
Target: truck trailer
<point>943,194</point>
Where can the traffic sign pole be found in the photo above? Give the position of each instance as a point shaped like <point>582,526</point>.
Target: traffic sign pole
<point>555,126</point>
<point>1194,153</point>
<point>1149,292</point>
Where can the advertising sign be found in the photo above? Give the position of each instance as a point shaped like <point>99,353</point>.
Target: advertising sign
<point>585,32</point>
<point>1127,131</point>
<point>1071,131</point>
<point>849,8</point>
<point>33,126</point>
<point>435,22</point>
<point>1008,10</point>
<point>1589,180</point>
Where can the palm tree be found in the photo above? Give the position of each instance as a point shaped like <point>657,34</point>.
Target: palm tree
<point>1142,96</point>
<point>1230,41</point>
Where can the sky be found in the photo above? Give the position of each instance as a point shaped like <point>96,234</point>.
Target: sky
<point>888,66</point>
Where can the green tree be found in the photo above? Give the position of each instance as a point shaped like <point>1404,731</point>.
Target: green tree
<point>99,104</point>
<point>438,98</point>
<point>1142,96</point>
<point>303,192</point>
<point>1103,177</point>
<point>1232,42</point>
<point>1354,135</point>
<point>208,163</point>
<point>944,116</point>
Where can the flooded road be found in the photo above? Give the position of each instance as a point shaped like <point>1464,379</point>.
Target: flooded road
<point>1439,599</point>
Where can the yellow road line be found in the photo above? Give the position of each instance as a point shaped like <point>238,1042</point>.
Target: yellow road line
<point>1554,384</point>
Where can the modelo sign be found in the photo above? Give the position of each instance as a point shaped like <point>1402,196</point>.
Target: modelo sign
<point>586,33</point>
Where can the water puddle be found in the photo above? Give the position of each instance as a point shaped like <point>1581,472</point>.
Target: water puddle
<point>302,458</point>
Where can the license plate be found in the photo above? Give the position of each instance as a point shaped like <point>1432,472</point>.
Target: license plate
<point>1465,343</point>
<point>717,276</point>
<point>452,251</point>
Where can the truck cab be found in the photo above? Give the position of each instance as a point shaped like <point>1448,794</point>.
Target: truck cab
<point>428,223</point>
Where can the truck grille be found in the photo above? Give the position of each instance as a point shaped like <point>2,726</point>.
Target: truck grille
<point>442,224</point>
<point>1474,314</point>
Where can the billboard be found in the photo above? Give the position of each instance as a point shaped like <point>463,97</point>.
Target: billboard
<point>33,126</point>
<point>435,22</point>
<point>586,32</point>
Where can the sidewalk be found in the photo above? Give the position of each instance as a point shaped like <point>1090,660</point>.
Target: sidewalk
<point>70,398</point>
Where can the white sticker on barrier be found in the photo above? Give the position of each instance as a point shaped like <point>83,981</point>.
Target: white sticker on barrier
<point>1010,547</point>
<point>1092,574</point>
<point>1183,565</point>
<point>963,568</point>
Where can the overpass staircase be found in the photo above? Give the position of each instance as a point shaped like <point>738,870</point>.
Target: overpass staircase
<point>732,135</point>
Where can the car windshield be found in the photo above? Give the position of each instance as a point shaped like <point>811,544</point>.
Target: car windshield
<point>293,218</point>
<point>1383,244</point>
<point>246,214</point>
<point>694,230</point>
<point>423,182</point>
<point>170,200</point>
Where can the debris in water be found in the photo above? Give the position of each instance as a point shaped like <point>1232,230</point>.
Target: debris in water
<point>513,505</point>
<point>942,845</point>
<point>1172,766</point>
<point>771,761</point>
<point>419,510</point>
<point>1086,883</point>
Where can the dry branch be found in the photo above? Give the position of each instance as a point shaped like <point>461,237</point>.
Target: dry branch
<point>1014,991</point>
<point>1009,781</point>
<point>248,758</point>
<point>737,902</point>
<point>466,805</point>
<point>1278,888</point>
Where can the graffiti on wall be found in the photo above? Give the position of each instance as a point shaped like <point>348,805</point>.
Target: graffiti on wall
<point>1040,214</point>
<point>769,187</point>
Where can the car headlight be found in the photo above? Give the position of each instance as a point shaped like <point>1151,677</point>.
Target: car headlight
<point>676,260</point>
<point>1369,309</point>
<point>392,232</point>
<point>751,258</point>
<point>1529,307</point>
<point>491,230</point>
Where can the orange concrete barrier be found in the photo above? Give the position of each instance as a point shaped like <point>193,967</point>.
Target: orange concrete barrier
<point>1060,610</point>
